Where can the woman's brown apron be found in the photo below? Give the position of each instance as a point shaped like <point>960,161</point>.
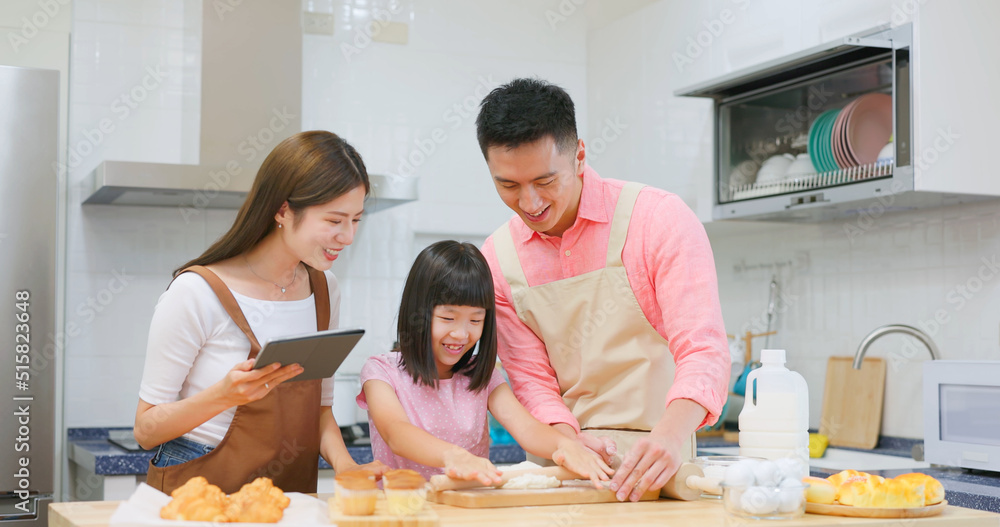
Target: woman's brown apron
<point>277,436</point>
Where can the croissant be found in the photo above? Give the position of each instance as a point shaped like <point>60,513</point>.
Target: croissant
<point>198,500</point>
<point>257,502</point>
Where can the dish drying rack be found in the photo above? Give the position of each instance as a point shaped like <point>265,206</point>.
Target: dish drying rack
<point>809,181</point>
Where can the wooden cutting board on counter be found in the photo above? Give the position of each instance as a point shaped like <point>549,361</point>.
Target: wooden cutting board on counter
<point>852,402</point>
<point>576,491</point>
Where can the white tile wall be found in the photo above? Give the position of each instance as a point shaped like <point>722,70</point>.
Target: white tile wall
<point>386,99</point>
<point>119,259</point>
<point>836,288</point>
<point>389,97</point>
<point>390,100</point>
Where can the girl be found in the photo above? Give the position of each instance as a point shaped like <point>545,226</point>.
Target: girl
<point>427,402</point>
<point>200,402</point>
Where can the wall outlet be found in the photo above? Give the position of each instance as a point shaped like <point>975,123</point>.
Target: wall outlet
<point>317,23</point>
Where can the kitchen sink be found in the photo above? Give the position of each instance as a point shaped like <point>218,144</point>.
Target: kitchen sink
<point>841,459</point>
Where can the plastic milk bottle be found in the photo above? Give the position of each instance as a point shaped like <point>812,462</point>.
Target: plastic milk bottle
<point>774,422</point>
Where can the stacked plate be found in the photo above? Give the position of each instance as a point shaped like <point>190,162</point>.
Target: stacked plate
<point>820,143</point>
<point>852,136</point>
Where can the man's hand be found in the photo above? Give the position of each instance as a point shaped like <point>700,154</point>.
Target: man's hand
<point>649,465</point>
<point>655,458</point>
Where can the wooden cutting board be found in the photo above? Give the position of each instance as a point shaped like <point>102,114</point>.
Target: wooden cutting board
<point>852,402</point>
<point>571,492</point>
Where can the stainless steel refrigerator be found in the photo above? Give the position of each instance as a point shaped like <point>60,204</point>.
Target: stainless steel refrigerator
<point>29,110</point>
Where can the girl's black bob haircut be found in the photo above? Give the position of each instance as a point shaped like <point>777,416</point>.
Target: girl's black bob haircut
<point>447,273</point>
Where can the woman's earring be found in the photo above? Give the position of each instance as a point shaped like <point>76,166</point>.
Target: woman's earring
<point>279,225</point>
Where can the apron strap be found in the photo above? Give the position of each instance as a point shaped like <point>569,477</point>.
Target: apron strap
<point>510,265</point>
<point>620,223</point>
<point>228,303</point>
<point>321,295</point>
<point>317,281</point>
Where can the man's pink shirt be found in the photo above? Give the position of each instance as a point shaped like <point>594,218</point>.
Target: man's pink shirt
<point>669,263</point>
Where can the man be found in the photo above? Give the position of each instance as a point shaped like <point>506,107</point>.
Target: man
<point>593,278</point>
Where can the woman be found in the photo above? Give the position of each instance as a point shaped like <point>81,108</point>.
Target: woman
<point>212,415</point>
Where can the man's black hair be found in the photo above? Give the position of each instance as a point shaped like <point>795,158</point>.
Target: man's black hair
<point>524,111</point>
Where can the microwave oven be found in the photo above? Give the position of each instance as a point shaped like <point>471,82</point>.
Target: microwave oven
<point>962,414</point>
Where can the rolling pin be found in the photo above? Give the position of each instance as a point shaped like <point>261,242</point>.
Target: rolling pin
<point>684,485</point>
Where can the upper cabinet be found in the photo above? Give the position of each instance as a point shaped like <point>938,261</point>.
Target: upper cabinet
<point>894,117</point>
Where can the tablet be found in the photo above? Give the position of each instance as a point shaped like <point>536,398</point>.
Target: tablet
<point>319,354</point>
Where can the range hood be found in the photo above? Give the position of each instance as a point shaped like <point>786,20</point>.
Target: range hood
<point>251,91</point>
<point>200,186</point>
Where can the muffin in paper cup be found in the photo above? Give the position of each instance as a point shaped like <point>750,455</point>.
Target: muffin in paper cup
<point>355,492</point>
<point>405,492</point>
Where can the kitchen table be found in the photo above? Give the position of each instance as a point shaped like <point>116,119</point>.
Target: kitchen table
<point>698,513</point>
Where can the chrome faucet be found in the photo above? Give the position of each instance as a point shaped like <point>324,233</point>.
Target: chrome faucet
<point>894,328</point>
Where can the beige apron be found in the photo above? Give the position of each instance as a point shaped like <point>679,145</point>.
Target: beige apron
<point>277,436</point>
<point>613,368</point>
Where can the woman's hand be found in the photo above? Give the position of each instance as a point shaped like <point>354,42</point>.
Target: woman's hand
<point>243,384</point>
<point>577,457</point>
<point>461,464</point>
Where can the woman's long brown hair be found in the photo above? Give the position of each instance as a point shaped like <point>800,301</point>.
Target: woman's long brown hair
<point>307,169</point>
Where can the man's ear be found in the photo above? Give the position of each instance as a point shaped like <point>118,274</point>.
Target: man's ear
<point>581,157</point>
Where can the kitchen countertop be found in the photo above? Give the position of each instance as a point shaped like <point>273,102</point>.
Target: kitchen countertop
<point>963,488</point>
<point>663,512</point>
<point>89,448</point>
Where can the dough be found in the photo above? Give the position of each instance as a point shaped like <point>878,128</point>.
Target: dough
<point>524,465</point>
<point>531,481</point>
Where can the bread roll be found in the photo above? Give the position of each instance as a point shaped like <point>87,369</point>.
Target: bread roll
<point>820,490</point>
<point>933,489</point>
<point>857,490</point>
<point>839,478</point>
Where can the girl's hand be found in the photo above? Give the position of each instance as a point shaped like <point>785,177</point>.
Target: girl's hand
<point>375,467</point>
<point>243,384</point>
<point>461,464</point>
<point>576,457</point>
